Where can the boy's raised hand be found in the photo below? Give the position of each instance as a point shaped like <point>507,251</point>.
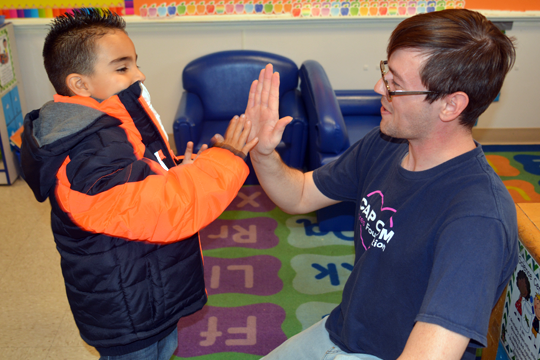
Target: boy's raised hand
<point>263,111</point>
<point>236,136</point>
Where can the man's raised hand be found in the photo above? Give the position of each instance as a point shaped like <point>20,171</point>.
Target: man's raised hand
<point>263,111</point>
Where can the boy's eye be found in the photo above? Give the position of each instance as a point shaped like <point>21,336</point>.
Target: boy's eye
<point>124,69</point>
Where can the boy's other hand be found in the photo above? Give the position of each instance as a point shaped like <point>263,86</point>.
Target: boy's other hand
<point>236,136</point>
<point>188,154</point>
<point>263,111</point>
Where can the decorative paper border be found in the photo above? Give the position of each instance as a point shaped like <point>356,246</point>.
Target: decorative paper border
<point>306,8</point>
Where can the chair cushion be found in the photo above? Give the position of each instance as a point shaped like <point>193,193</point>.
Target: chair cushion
<point>209,129</point>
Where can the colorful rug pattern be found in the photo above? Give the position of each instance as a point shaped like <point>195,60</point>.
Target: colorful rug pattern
<point>519,168</point>
<point>269,275</point>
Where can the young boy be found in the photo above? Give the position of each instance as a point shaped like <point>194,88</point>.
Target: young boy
<point>125,215</point>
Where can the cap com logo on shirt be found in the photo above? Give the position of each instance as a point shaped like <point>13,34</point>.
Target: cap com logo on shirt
<point>376,221</point>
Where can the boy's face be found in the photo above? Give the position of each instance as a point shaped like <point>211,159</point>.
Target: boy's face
<point>115,68</point>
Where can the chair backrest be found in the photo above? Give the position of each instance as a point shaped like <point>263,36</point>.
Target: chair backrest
<point>359,102</point>
<point>328,133</point>
<point>222,79</point>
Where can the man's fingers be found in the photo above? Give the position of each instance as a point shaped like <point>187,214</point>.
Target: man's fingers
<point>268,75</point>
<point>252,91</point>
<point>259,88</point>
<point>281,124</point>
<point>273,97</point>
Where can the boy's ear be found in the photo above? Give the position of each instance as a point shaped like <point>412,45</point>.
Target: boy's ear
<point>77,85</point>
<point>453,105</point>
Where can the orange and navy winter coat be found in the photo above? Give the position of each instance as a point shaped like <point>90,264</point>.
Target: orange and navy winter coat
<point>125,216</point>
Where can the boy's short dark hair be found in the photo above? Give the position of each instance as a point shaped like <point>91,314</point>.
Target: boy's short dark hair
<point>70,44</point>
<point>466,52</point>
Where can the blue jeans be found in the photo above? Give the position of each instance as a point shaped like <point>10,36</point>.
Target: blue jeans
<point>161,350</point>
<point>313,343</point>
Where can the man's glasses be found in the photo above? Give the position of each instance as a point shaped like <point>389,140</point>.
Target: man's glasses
<point>390,93</point>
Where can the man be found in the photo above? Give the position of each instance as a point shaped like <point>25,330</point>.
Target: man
<point>436,230</point>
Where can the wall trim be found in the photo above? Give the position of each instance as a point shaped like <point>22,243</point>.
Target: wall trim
<point>505,136</point>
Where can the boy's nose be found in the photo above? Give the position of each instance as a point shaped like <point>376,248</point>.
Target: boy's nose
<point>140,76</point>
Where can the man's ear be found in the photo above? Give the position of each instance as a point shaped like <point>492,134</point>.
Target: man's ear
<point>453,105</point>
<point>77,85</point>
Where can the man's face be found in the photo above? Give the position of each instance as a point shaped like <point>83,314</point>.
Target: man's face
<point>407,116</point>
<point>115,68</point>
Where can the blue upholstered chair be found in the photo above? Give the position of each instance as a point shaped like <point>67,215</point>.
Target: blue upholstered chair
<point>337,119</point>
<point>217,87</point>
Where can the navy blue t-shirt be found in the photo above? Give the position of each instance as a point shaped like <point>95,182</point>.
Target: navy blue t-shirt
<point>436,246</point>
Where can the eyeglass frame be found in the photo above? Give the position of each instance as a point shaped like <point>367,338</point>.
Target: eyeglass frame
<point>390,93</point>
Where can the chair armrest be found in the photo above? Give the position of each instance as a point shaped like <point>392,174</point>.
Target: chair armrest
<point>295,134</point>
<point>325,118</point>
<point>187,125</point>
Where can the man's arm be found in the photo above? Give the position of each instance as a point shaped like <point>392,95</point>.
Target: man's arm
<point>433,342</point>
<point>290,189</point>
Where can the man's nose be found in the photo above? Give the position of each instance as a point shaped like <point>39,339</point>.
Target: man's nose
<point>380,87</point>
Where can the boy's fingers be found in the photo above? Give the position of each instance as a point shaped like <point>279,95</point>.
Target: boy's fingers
<point>239,132</point>
<point>189,151</point>
<point>231,129</point>
<point>217,139</point>
<point>204,147</point>
<point>245,133</point>
<point>250,145</point>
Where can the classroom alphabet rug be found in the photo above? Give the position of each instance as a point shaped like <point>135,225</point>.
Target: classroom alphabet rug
<point>519,168</point>
<point>269,275</point>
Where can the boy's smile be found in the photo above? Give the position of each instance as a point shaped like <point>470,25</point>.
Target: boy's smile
<point>115,67</point>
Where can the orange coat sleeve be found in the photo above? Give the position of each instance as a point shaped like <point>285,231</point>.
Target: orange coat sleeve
<point>164,207</point>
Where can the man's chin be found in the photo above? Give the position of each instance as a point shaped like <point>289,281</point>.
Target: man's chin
<point>389,131</point>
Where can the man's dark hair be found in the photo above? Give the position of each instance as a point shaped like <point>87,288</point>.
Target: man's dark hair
<point>465,52</point>
<point>70,44</point>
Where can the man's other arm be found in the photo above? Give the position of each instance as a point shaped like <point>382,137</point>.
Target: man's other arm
<point>433,342</point>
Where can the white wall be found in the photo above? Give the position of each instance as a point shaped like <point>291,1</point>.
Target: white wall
<point>349,50</point>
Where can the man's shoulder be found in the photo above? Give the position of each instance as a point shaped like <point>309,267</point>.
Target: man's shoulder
<point>478,191</point>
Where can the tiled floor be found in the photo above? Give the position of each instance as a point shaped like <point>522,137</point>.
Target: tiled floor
<point>35,320</point>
